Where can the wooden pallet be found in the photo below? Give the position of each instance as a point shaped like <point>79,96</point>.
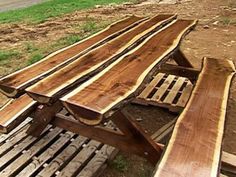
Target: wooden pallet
<point>55,153</point>
<point>167,91</point>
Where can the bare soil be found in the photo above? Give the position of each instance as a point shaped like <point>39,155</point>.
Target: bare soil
<point>214,36</point>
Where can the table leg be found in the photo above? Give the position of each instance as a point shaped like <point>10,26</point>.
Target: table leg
<point>181,59</point>
<point>130,137</point>
<point>42,117</point>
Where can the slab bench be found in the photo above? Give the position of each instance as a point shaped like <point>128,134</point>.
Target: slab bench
<point>194,148</point>
<point>95,85</point>
<point>122,35</point>
<point>14,84</point>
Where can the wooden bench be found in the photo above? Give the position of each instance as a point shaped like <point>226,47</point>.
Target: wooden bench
<point>51,88</point>
<point>14,84</point>
<point>15,111</point>
<point>194,148</point>
<point>150,44</point>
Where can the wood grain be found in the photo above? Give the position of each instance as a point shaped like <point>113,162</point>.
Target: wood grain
<point>52,87</point>
<point>195,146</point>
<point>15,83</point>
<point>15,111</point>
<point>111,87</point>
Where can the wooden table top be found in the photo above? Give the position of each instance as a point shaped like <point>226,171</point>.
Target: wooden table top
<point>98,75</point>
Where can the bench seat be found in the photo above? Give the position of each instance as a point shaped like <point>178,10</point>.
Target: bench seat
<point>14,84</point>
<point>194,148</point>
<point>15,111</point>
<point>121,80</point>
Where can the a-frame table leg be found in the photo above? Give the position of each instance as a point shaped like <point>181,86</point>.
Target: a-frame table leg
<point>42,117</point>
<point>130,137</point>
<point>141,143</point>
<point>181,59</point>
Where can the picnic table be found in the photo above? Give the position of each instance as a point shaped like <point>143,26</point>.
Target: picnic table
<point>95,79</point>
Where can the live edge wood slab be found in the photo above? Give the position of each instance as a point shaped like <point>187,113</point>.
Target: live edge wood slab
<point>114,85</point>
<point>195,145</point>
<point>52,87</point>
<point>15,111</point>
<point>14,84</point>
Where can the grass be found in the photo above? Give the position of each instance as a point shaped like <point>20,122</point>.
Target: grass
<point>51,8</point>
<point>120,163</point>
<point>8,54</point>
<point>225,20</point>
<point>34,58</point>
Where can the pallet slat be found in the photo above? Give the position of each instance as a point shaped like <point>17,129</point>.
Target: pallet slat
<point>98,162</point>
<point>64,157</point>
<point>185,95</point>
<point>151,85</point>
<point>46,155</point>
<point>174,91</point>
<point>16,150</point>
<point>79,159</point>
<point>174,98</point>
<point>161,91</point>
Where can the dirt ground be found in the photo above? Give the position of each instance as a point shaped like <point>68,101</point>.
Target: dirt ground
<point>214,36</point>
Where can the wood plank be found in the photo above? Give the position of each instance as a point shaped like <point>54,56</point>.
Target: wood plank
<point>190,73</point>
<point>151,85</point>
<point>141,145</point>
<point>48,154</point>
<point>79,159</point>
<point>181,59</point>
<point>11,142</point>
<point>4,137</point>
<point>159,135</point>
<point>163,88</point>
<point>10,155</point>
<point>97,164</point>
<point>17,164</point>
<point>175,89</point>
<point>42,117</point>
<point>195,145</point>
<point>15,111</point>
<point>228,163</point>
<point>13,84</point>
<point>63,158</point>
<point>52,87</point>
<point>185,95</point>
<point>126,76</point>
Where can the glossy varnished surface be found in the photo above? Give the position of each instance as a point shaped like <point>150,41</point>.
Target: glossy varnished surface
<point>195,146</point>
<point>103,92</point>
<point>10,85</point>
<point>58,82</point>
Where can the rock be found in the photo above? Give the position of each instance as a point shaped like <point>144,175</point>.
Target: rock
<point>206,27</point>
<point>98,6</point>
<point>139,119</point>
<point>127,3</point>
<point>216,23</point>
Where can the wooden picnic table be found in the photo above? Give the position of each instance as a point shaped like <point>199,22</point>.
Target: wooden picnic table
<point>95,78</point>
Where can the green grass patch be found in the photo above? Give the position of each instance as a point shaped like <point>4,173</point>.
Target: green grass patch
<point>227,21</point>
<point>52,8</point>
<point>68,40</point>
<point>30,47</point>
<point>120,163</point>
<point>34,58</point>
<point>8,54</point>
